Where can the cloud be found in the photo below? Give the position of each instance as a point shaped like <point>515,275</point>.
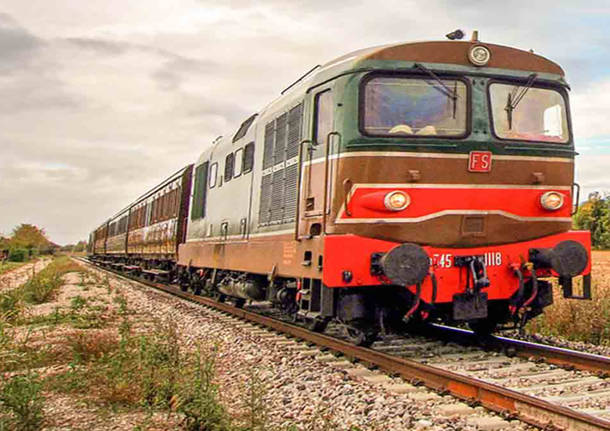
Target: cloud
<point>14,39</point>
<point>592,173</point>
<point>99,46</point>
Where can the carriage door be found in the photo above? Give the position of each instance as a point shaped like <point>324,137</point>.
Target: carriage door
<point>314,163</point>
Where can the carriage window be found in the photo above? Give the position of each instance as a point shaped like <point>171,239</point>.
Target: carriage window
<point>324,116</point>
<point>415,107</point>
<point>528,114</point>
<point>239,156</point>
<point>213,173</point>
<point>229,167</point>
<point>248,157</point>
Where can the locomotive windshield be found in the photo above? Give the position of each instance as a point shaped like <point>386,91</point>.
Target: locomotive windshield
<point>400,106</point>
<point>528,114</point>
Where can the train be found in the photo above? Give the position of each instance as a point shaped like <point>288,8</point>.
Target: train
<point>401,184</point>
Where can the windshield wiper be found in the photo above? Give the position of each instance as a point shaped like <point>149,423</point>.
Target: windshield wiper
<point>452,94</point>
<point>513,98</point>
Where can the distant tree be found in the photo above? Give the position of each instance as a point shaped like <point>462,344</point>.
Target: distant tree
<point>594,215</point>
<point>67,247</point>
<point>29,237</point>
<point>80,246</point>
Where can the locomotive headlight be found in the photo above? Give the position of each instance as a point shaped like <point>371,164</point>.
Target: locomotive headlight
<point>396,200</point>
<point>551,201</point>
<point>479,55</point>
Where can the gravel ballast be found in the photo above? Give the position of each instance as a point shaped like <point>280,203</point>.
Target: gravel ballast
<point>304,385</point>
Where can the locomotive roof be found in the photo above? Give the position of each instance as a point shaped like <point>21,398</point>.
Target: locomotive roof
<point>453,52</point>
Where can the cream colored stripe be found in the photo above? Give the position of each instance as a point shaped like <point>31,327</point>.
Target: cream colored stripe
<point>434,156</point>
<point>450,212</point>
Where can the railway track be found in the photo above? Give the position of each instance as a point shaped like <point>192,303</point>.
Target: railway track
<point>544,386</point>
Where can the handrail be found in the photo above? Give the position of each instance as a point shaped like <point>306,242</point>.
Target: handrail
<point>299,183</point>
<point>300,79</point>
<point>326,159</point>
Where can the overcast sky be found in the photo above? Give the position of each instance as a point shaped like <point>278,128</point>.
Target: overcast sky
<point>100,100</point>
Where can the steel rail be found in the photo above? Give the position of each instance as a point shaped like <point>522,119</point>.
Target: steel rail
<point>597,364</point>
<point>531,410</point>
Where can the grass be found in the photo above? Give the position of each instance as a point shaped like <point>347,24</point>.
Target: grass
<point>9,266</point>
<point>576,320</point>
<point>40,288</point>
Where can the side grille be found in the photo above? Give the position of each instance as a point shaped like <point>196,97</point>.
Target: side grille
<point>290,195</point>
<point>268,149</point>
<point>279,185</point>
<point>264,214</point>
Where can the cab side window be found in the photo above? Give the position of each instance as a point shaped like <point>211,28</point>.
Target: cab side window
<point>323,116</point>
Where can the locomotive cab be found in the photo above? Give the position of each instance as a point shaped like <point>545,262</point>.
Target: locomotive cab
<point>462,168</point>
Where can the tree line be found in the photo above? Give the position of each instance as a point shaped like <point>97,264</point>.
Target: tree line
<point>28,240</point>
<point>594,215</point>
<point>25,242</point>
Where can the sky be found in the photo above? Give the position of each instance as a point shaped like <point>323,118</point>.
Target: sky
<point>101,100</point>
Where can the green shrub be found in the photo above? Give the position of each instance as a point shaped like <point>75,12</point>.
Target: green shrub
<point>18,255</point>
<point>41,287</point>
<point>21,404</point>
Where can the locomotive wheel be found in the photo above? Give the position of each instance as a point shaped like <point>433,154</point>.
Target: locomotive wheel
<point>483,327</point>
<point>239,302</point>
<point>318,324</point>
<point>361,333</point>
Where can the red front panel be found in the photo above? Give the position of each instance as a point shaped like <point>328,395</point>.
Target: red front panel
<point>353,253</point>
<point>434,200</point>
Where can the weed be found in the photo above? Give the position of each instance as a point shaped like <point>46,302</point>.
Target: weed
<point>587,321</point>
<point>90,346</point>
<point>77,303</point>
<point>106,284</point>
<point>200,404</point>
<point>256,417</point>
<point>159,360</point>
<point>21,403</point>
<point>122,303</point>
<point>11,305</point>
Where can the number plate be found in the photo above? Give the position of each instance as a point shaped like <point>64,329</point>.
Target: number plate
<point>479,161</point>
<point>446,260</point>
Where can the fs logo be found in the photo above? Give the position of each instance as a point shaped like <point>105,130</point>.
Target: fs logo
<point>479,161</point>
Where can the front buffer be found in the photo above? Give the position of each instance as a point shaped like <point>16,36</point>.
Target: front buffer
<point>484,286</point>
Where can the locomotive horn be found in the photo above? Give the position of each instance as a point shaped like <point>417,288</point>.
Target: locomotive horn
<point>406,264</point>
<point>455,35</point>
<point>568,258</point>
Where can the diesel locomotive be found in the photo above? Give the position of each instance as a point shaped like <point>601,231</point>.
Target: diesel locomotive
<point>413,182</point>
